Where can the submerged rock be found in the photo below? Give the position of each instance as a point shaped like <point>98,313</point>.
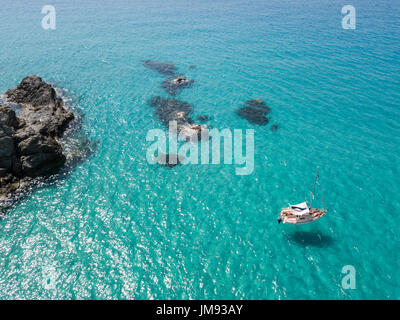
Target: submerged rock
<point>29,145</point>
<point>274,127</point>
<point>170,109</point>
<point>203,118</point>
<point>255,111</point>
<point>174,85</point>
<point>164,68</point>
<point>169,160</point>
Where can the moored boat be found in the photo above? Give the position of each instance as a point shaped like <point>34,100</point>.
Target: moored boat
<point>302,213</point>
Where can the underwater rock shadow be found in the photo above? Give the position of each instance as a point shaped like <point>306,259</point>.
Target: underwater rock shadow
<point>274,127</point>
<point>311,238</point>
<point>255,111</point>
<point>163,68</point>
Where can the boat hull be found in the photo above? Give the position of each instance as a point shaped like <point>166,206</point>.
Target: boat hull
<point>287,217</point>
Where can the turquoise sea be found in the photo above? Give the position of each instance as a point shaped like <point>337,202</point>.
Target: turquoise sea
<point>117,227</point>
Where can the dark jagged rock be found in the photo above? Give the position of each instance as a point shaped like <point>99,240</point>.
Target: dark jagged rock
<point>255,111</point>
<point>8,118</point>
<point>174,85</point>
<point>40,155</point>
<point>164,68</point>
<point>42,112</point>
<point>8,124</point>
<point>7,153</point>
<point>32,90</point>
<point>29,145</point>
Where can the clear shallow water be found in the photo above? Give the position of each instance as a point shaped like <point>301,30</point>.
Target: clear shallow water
<point>117,227</point>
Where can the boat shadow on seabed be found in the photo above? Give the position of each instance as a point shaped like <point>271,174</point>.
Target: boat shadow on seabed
<point>311,238</point>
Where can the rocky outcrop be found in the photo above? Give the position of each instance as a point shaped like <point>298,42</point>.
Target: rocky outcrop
<point>42,112</point>
<point>169,109</point>
<point>30,127</point>
<point>40,155</point>
<point>173,85</point>
<point>8,125</point>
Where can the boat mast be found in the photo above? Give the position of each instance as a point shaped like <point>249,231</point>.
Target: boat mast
<point>315,183</point>
<point>322,198</point>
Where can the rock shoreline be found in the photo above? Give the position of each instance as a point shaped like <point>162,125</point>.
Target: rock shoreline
<point>32,121</point>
